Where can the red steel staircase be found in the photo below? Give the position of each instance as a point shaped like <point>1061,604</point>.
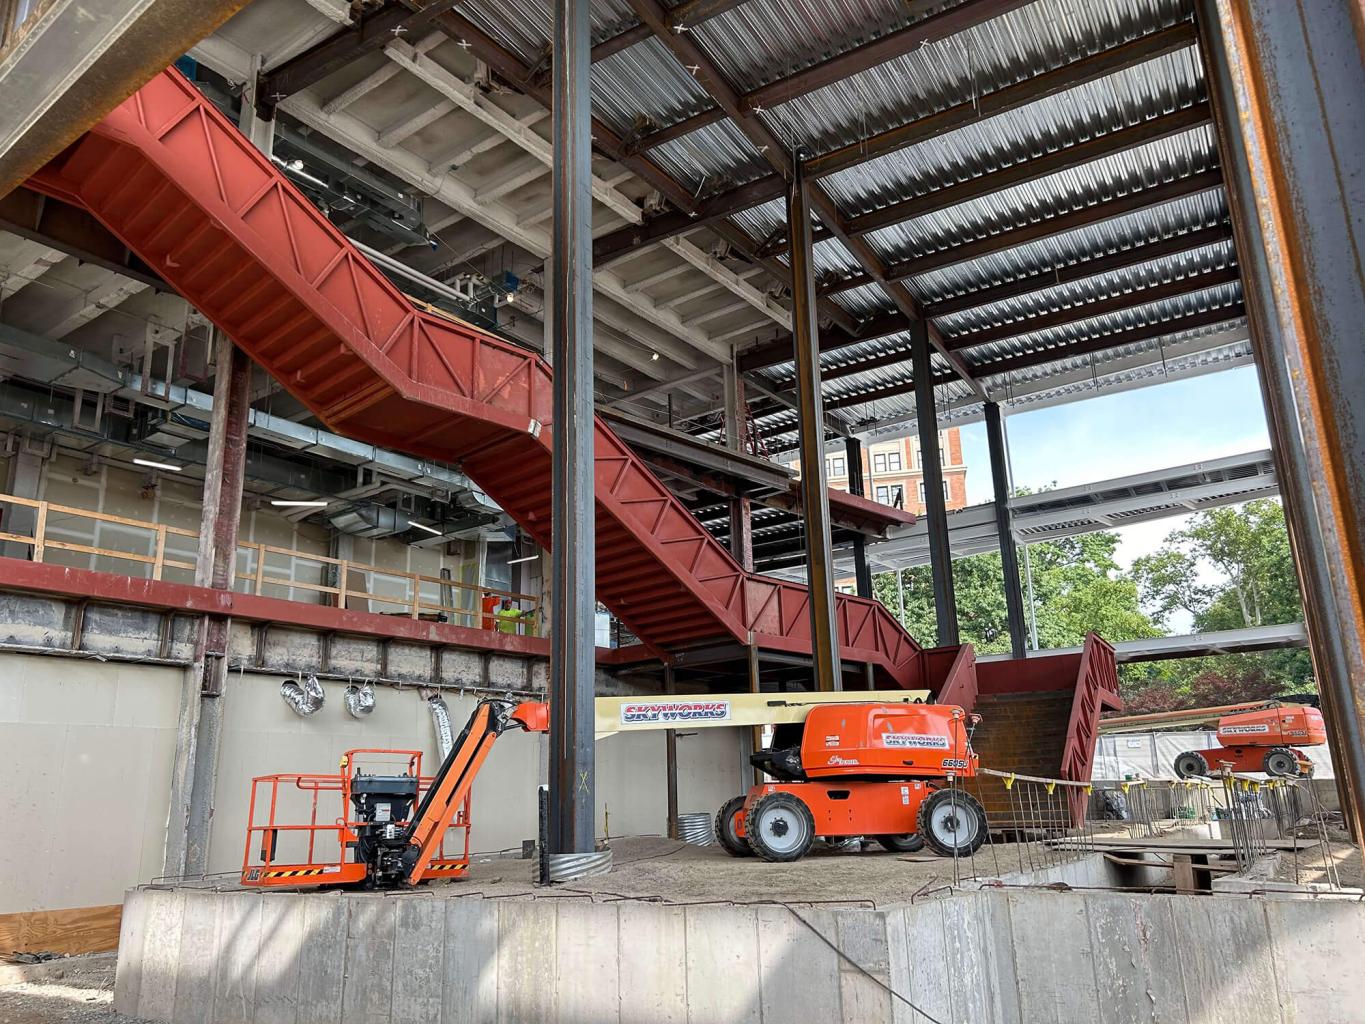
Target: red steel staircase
<point>176,181</point>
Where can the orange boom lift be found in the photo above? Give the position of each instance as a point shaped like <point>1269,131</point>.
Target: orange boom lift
<point>378,840</point>
<point>861,769</point>
<point>1264,739</point>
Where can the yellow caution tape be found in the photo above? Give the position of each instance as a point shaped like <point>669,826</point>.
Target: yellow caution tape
<point>1050,787</point>
<point>1009,781</point>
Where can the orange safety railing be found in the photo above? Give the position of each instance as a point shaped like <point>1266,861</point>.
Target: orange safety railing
<point>325,852</point>
<point>410,602</point>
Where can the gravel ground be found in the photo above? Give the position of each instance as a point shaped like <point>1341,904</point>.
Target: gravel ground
<point>74,990</point>
<point>665,870</point>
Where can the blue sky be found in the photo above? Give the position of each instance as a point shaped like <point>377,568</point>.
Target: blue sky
<point>1127,432</point>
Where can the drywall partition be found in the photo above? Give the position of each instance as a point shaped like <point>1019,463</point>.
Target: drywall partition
<point>85,754</point>
<point>1013,957</point>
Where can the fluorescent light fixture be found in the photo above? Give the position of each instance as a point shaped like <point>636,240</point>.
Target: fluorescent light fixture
<point>300,504</point>
<point>528,558</point>
<point>424,526</point>
<point>156,465</point>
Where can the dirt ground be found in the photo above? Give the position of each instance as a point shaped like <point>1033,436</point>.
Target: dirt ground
<point>74,990</point>
<point>665,870</point>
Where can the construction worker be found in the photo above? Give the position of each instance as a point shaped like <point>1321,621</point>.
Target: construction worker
<point>510,618</point>
<point>490,610</point>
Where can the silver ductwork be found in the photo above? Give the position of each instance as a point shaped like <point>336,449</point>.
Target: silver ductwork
<point>440,720</point>
<point>372,521</point>
<point>360,699</point>
<point>304,696</point>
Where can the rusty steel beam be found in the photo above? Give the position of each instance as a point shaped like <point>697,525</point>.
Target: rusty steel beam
<point>1034,168</point>
<point>824,628</point>
<point>1099,307</point>
<point>1050,277</point>
<point>1287,82</point>
<point>573,548</point>
<point>841,66</point>
<point>1086,216</point>
<point>73,231</point>
<point>509,67</point>
<point>370,33</point>
<point>80,61</point>
<point>1050,83</point>
<point>1104,342</point>
<point>682,18</point>
<point>931,126</point>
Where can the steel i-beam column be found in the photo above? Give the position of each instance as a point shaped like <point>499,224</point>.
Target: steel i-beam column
<point>194,779</point>
<point>931,465</point>
<point>1004,526</point>
<point>573,554</point>
<point>671,760</point>
<point>736,439</point>
<point>862,575</point>
<point>811,418</point>
<point>1286,81</point>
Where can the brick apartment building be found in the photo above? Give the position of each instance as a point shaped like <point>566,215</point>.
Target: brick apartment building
<point>892,472</point>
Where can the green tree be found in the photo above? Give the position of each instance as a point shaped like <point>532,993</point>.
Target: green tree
<point>1247,546</point>
<point>1077,587</point>
<point>1245,551</point>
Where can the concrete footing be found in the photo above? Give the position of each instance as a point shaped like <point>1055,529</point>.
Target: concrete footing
<point>1003,955</point>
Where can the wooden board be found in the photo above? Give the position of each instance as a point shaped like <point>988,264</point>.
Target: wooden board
<point>77,930</point>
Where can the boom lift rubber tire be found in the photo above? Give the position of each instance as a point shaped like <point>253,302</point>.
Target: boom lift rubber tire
<point>780,827</point>
<point>735,846</point>
<point>1281,763</point>
<point>1191,763</point>
<point>911,842</point>
<point>953,823</point>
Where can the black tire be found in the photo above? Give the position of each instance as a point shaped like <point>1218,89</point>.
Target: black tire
<point>952,823</point>
<point>1191,763</point>
<point>911,842</point>
<point>780,827</point>
<point>734,845</point>
<point>1281,763</point>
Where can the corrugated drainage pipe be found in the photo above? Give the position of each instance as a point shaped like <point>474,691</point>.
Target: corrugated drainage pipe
<point>305,696</point>
<point>360,699</point>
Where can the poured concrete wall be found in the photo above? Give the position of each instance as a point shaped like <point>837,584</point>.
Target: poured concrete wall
<point>1017,957</point>
<point>85,755</point>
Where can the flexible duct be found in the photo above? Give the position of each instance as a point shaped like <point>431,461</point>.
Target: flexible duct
<point>360,699</point>
<point>440,718</point>
<point>305,697</point>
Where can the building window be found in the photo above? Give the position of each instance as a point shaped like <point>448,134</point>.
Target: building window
<point>922,495</point>
<point>891,494</point>
<point>836,465</point>
<point>893,462</point>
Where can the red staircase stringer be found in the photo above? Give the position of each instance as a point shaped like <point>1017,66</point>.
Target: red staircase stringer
<point>176,181</point>
<point>1097,689</point>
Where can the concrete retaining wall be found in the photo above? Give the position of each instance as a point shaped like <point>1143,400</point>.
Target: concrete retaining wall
<point>990,956</point>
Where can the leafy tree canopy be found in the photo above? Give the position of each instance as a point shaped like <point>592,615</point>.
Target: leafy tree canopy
<point>1227,568</point>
